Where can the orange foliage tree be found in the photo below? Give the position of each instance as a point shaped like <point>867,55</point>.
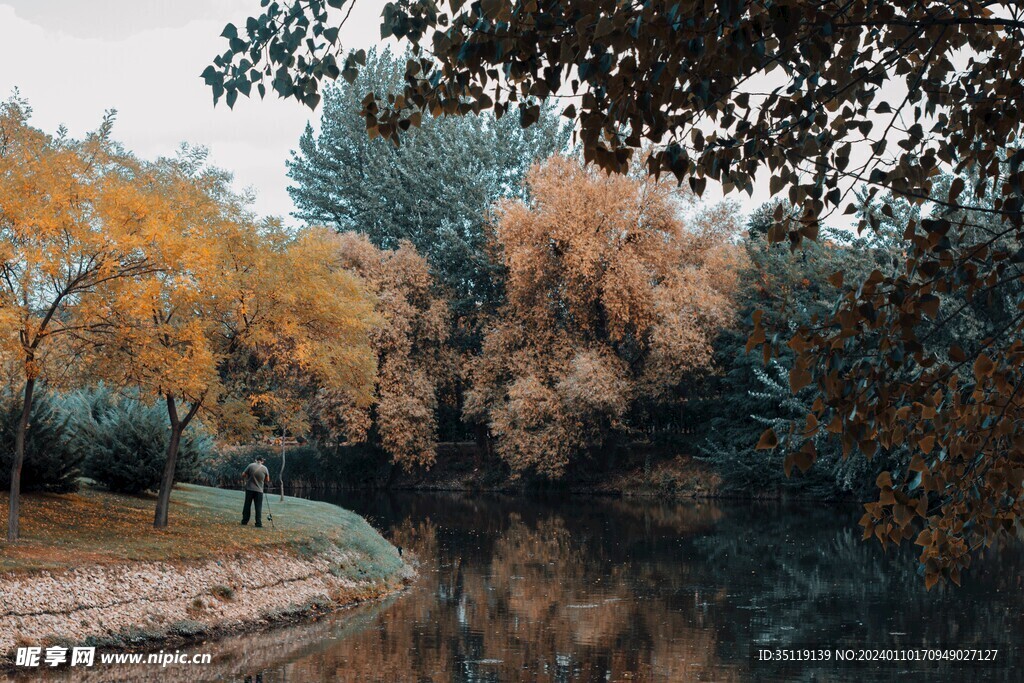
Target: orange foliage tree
<point>73,220</point>
<point>275,379</point>
<point>415,363</point>
<point>226,285</point>
<point>611,298</point>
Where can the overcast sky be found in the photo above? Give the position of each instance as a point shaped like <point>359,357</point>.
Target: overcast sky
<point>74,59</point>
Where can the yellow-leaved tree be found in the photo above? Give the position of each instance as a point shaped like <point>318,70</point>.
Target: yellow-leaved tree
<point>305,337</point>
<point>612,298</point>
<point>228,285</point>
<point>74,221</point>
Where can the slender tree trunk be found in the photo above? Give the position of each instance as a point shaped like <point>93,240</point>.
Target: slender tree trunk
<point>14,505</point>
<point>163,500</point>
<point>283,456</point>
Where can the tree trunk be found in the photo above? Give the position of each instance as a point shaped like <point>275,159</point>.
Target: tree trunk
<point>163,499</point>
<point>283,457</point>
<point>14,505</point>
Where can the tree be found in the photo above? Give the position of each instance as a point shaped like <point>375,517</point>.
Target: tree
<point>890,376</point>
<point>74,220</point>
<point>927,355</point>
<point>124,440</point>
<point>415,363</point>
<point>229,284</point>
<point>610,297</point>
<point>434,190</point>
<point>52,463</point>
<point>790,289</point>
<point>284,408</point>
<point>828,97</point>
<point>280,376</point>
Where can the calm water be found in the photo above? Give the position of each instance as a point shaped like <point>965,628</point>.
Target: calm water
<point>581,589</point>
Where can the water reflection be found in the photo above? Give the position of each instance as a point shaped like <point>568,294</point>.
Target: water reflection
<point>595,590</point>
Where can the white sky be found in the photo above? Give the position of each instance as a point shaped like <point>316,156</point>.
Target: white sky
<point>74,59</point>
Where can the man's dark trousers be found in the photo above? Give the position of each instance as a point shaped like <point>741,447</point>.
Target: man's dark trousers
<point>250,498</point>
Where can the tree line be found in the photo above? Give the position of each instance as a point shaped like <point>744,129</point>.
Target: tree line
<point>578,304</point>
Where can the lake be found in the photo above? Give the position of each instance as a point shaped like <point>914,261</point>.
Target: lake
<point>602,589</point>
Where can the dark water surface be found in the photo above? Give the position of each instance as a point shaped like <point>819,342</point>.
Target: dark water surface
<point>588,589</point>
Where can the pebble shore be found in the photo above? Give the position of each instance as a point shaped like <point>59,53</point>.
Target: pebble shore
<point>137,602</point>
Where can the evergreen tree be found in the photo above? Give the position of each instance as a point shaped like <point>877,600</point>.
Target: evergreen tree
<point>435,190</point>
<point>773,405</point>
<point>51,462</point>
<point>791,288</point>
<point>124,441</point>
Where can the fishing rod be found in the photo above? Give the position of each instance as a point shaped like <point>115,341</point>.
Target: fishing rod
<point>270,515</point>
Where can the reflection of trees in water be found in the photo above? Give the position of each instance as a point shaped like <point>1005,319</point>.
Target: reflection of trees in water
<point>417,538</point>
<point>585,590</point>
<point>804,578</point>
<point>679,519</point>
<point>541,594</point>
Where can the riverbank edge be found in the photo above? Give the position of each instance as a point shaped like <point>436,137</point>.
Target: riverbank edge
<point>600,492</point>
<point>638,471</point>
<point>181,603</point>
<point>643,486</point>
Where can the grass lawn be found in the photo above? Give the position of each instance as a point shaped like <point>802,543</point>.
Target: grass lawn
<point>96,527</point>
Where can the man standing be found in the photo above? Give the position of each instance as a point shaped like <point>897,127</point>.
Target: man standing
<point>255,475</point>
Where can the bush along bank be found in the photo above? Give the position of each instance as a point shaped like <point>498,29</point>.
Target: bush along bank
<point>193,585</point>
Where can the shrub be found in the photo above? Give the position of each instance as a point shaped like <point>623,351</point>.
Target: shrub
<point>747,470</point>
<point>196,607</point>
<point>51,462</point>
<point>222,592</point>
<point>124,441</point>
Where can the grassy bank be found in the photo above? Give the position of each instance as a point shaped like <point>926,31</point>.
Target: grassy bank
<point>91,569</point>
<point>95,527</point>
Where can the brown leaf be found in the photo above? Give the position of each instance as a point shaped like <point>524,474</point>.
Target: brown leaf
<point>983,367</point>
<point>799,377</point>
<point>768,440</point>
<point>806,456</point>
